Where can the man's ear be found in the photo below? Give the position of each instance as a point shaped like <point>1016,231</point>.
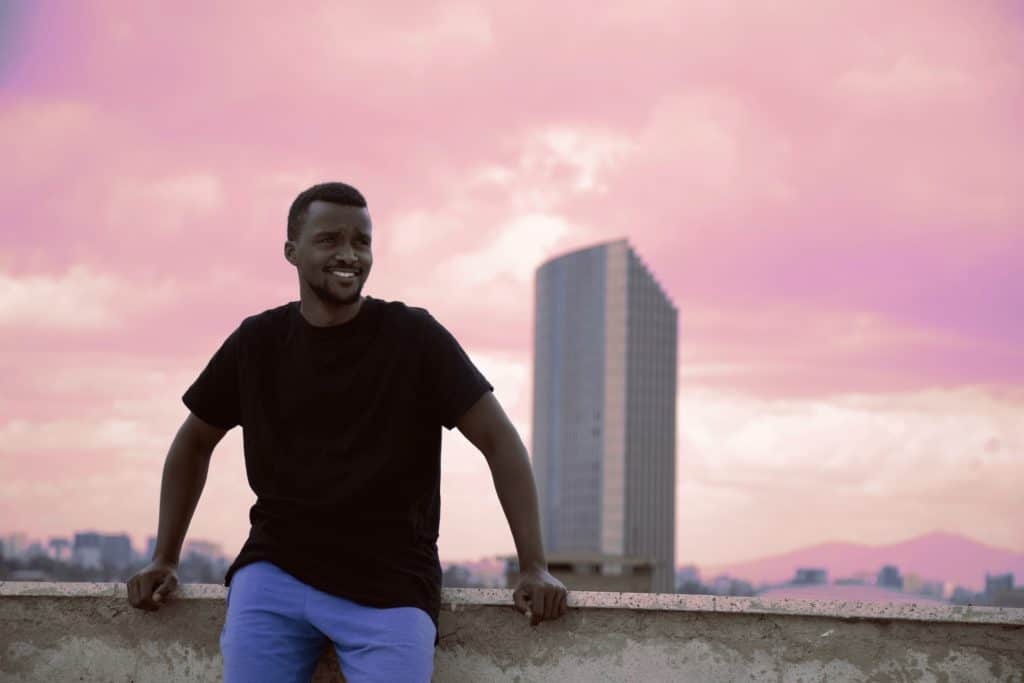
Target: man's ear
<point>289,252</point>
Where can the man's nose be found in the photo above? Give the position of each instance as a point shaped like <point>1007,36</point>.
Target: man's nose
<point>345,253</point>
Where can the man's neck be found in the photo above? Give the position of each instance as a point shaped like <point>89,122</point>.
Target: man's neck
<point>319,314</point>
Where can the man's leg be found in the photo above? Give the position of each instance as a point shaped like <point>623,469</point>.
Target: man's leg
<point>393,644</point>
<point>266,635</point>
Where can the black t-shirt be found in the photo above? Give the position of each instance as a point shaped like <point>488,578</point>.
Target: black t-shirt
<point>342,435</point>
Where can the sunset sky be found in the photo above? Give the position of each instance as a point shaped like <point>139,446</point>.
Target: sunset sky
<point>832,193</point>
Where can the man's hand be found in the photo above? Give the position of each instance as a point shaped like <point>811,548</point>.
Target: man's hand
<point>542,594</point>
<point>152,585</point>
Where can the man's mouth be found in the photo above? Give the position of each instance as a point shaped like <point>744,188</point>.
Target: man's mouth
<point>345,274</point>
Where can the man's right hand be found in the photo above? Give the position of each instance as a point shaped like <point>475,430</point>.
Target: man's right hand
<point>152,585</point>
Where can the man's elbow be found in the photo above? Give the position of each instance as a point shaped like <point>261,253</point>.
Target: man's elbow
<point>199,437</point>
<point>503,445</point>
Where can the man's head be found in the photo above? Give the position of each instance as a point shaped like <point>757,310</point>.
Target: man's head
<point>329,235</point>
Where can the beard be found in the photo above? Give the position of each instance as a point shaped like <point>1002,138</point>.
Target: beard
<point>331,299</point>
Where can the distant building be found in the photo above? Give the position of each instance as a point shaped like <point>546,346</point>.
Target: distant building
<point>205,549</point>
<point>810,577</point>
<point>963,596</point>
<point>15,545</point>
<point>150,548</point>
<point>594,572</point>
<point>116,550</point>
<point>457,576</point>
<point>998,583</point>
<point>726,585</point>
<point>60,549</point>
<point>87,551</point>
<point>687,579</point>
<point>35,549</point>
<point>889,577</point>
<point>604,409</point>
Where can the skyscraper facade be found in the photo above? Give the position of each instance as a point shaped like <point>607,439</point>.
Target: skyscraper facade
<point>604,418</point>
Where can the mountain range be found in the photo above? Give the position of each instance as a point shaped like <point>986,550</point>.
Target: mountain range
<point>936,556</point>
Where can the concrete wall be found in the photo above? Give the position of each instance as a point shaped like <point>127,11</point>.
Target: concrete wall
<point>88,632</point>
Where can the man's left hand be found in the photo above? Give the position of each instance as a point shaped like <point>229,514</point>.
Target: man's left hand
<point>542,595</point>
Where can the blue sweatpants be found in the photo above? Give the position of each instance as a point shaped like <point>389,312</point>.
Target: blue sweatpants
<point>277,627</point>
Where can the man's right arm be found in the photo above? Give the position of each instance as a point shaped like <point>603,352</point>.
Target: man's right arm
<point>184,477</point>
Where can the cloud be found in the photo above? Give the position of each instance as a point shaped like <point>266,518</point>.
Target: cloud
<point>164,205</point>
<point>79,299</point>
<point>438,35</point>
<point>906,80</point>
<point>519,245</point>
<point>856,467</point>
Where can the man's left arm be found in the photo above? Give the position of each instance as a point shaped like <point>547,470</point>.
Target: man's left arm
<point>489,429</point>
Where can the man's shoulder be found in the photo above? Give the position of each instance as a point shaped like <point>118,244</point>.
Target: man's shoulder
<point>405,315</point>
<point>267,321</point>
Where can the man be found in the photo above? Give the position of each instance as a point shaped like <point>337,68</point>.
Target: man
<point>341,399</point>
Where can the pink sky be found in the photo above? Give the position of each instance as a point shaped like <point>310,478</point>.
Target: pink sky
<point>829,191</point>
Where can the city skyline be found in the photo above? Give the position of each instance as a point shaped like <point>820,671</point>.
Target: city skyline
<point>936,566</point>
<point>843,236</point>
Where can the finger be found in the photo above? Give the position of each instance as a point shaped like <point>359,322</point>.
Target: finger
<point>164,590</point>
<point>553,605</point>
<point>563,604</point>
<point>538,606</point>
<point>146,587</point>
<point>132,592</point>
<point>519,600</point>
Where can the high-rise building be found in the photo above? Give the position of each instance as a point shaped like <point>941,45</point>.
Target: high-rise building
<point>604,408</point>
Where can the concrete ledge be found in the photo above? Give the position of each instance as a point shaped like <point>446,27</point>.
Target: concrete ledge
<point>88,632</point>
<point>839,609</point>
<point>453,598</point>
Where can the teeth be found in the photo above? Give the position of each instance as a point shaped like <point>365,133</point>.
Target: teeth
<point>341,273</point>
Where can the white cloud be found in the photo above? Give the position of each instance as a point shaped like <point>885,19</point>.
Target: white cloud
<point>867,468</point>
<point>78,299</point>
<point>590,152</point>
<point>418,233</point>
<point>522,243</point>
<point>72,435</point>
<point>164,205</point>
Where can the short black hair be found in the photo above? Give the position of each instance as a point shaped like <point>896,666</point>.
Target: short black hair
<point>335,193</point>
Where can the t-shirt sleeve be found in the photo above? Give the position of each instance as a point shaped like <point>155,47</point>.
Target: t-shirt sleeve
<point>452,384</point>
<point>214,397</point>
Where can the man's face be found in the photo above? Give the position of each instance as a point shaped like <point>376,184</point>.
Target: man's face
<point>332,252</point>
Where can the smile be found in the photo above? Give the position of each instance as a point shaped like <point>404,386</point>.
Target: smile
<point>344,274</point>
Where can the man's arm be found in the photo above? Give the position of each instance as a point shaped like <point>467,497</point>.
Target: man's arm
<point>184,477</point>
<point>489,429</point>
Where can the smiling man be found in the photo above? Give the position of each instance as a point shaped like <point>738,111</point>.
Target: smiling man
<point>341,398</point>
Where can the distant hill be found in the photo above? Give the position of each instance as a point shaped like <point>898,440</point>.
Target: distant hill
<point>937,556</point>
